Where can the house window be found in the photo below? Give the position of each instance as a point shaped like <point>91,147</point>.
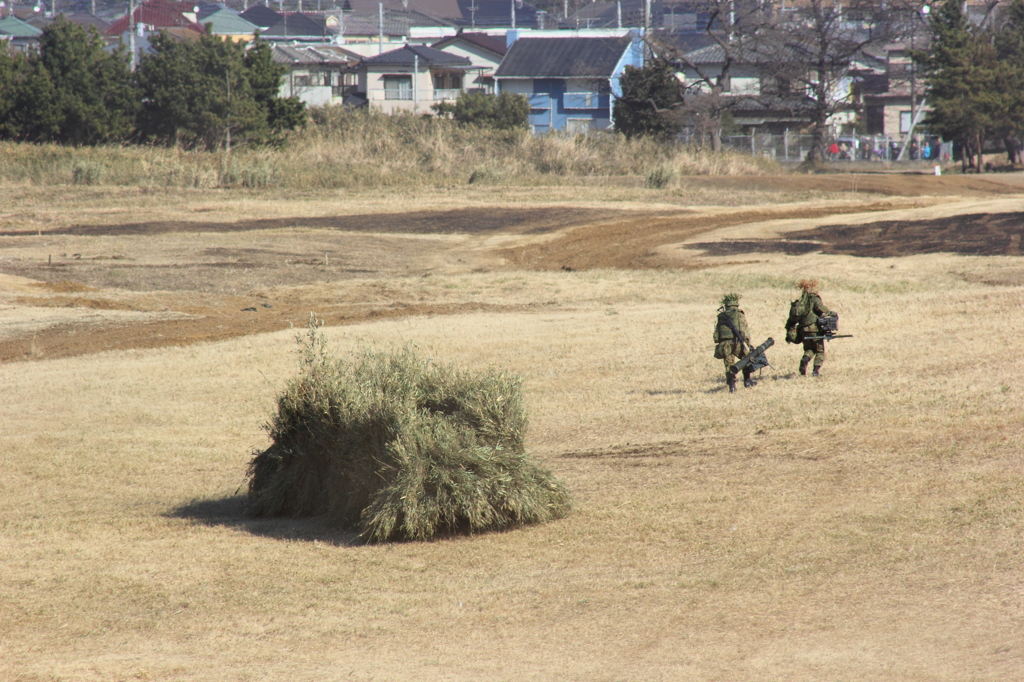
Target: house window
<point>448,81</point>
<point>303,81</point>
<point>905,122</point>
<point>581,100</point>
<point>397,87</point>
<point>578,126</point>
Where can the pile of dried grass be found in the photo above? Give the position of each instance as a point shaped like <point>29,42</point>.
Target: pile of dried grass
<point>395,447</point>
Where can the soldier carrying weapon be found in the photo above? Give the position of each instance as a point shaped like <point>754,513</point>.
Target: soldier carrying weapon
<point>811,323</point>
<point>731,342</point>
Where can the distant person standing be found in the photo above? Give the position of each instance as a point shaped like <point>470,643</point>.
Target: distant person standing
<point>803,322</point>
<point>732,340</point>
<point>833,151</point>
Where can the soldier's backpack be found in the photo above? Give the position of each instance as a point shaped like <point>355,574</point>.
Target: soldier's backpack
<point>797,310</point>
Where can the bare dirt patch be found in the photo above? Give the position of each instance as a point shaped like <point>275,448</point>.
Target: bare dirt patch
<point>206,280</point>
<point>633,243</point>
<point>459,221</point>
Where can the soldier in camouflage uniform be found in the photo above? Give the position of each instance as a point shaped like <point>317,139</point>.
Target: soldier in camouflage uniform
<point>728,347</point>
<point>803,322</point>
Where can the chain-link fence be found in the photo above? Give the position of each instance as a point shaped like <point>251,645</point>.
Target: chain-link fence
<point>793,147</point>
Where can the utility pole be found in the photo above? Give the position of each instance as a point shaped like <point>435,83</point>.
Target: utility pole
<point>131,32</point>
<point>380,28</point>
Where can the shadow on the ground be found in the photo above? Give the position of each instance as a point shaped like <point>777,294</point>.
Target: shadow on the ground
<point>229,512</point>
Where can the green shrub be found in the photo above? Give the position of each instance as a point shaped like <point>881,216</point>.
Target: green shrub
<point>660,177</point>
<point>397,447</point>
<point>506,111</point>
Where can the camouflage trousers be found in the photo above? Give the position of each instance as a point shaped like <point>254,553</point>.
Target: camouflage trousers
<point>814,349</point>
<point>730,351</point>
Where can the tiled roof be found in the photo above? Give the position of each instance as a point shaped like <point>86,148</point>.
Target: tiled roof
<point>296,26</point>
<point>495,44</point>
<point>481,13</point>
<point>562,57</point>
<point>261,15</point>
<point>312,54</point>
<point>406,56</point>
<point>226,22</point>
<point>156,13</point>
<point>436,9</point>
<point>12,26</point>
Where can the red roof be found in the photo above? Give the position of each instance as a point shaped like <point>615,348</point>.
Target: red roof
<point>158,14</point>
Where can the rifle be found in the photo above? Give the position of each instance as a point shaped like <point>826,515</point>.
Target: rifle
<point>723,318</point>
<point>828,326</point>
<point>755,359</point>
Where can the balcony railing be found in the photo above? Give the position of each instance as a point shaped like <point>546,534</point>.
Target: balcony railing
<point>447,93</point>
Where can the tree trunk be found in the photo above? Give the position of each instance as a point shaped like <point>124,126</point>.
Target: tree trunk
<point>1012,150</point>
<point>981,156</point>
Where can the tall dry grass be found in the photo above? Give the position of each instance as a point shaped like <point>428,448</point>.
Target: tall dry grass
<point>397,446</point>
<point>345,148</point>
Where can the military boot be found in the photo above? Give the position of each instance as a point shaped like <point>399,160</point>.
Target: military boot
<point>817,371</point>
<point>804,361</point>
<point>730,379</point>
<point>748,381</point>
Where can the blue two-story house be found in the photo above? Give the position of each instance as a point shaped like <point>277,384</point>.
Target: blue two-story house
<point>569,80</point>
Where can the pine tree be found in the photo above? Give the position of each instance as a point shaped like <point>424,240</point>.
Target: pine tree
<point>964,76</point>
<point>1009,45</point>
<point>12,72</point>
<point>71,91</point>
<point>211,93</point>
<point>651,100</point>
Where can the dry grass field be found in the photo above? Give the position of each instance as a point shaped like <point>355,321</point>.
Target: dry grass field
<point>868,525</point>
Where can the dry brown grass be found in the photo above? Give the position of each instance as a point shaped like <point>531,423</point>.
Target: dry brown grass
<point>864,526</point>
<point>345,148</point>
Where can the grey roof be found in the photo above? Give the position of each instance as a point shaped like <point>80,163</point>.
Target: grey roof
<point>295,26</point>
<point>562,57</point>
<point>261,15</point>
<point>715,54</point>
<point>228,22</point>
<point>12,26</point>
<point>312,54</point>
<point>428,56</point>
<point>493,44</point>
<point>367,25</point>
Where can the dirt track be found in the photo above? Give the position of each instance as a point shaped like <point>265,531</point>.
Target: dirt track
<point>250,276</point>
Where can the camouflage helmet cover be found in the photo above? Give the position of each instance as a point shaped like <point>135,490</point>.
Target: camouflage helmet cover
<point>731,300</point>
<point>808,285</point>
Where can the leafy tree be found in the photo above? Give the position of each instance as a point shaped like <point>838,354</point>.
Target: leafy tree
<point>650,101</point>
<point>212,93</point>
<point>283,113</point>
<point>506,111</point>
<point>735,29</point>
<point>71,91</point>
<point>811,50</point>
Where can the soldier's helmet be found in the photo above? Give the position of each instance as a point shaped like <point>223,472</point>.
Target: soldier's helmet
<point>731,300</point>
<point>808,285</point>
